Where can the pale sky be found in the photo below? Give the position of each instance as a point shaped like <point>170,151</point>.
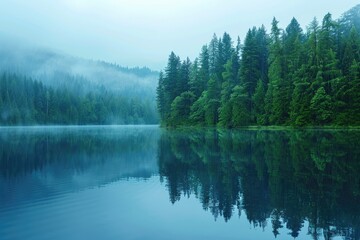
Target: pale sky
<point>144,32</point>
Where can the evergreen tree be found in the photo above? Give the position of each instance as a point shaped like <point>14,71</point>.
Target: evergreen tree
<point>348,98</point>
<point>197,110</point>
<point>240,111</point>
<point>305,79</point>
<point>160,93</point>
<point>212,103</point>
<point>203,76</point>
<point>250,64</point>
<point>171,84</point>
<point>351,50</point>
<point>280,104</point>
<point>228,50</point>
<point>213,54</point>
<point>259,103</point>
<point>285,78</point>
<point>321,107</point>
<point>294,57</point>
<point>180,109</point>
<point>225,110</point>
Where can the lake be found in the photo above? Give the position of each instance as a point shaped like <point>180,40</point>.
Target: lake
<point>143,182</point>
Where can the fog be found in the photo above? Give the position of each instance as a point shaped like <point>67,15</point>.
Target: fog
<point>143,33</point>
<point>54,69</point>
<point>73,90</point>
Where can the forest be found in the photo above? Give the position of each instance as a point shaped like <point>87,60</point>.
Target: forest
<point>288,77</point>
<point>43,87</point>
<point>24,101</point>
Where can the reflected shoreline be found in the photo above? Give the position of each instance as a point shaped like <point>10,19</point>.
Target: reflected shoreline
<point>277,179</point>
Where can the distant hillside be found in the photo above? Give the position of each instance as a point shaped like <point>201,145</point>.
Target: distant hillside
<point>54,68</point>
<point>104,85</point>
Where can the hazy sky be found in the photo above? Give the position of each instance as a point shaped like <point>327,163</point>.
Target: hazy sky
<point>144,32</point>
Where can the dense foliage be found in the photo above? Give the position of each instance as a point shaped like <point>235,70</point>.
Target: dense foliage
<point>25,101</point>
<point>287,77</point>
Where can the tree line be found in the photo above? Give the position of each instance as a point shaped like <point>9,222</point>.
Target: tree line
<point>286,77</point>
<point>24,101</point>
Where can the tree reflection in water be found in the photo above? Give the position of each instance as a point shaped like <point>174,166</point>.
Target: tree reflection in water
<point>282,178</point>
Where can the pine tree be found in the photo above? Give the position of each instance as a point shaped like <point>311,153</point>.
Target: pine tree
<point>180,109</point>
<point>305,79</point>
<point>300,103</point>
<point>212,103</point>
<point>228,49</point>
<point>160,97</point>
<point>240,112</point>
<point>328,62</point>
<point>321,107</point>
<point>183,83</point>
<point>259,103</point>
<point>279,87</point>
<point>253,65</point>
<point>225,109</point>
<point>250,66</point>
<point>294,57</point>
<point>171,84</point>
<point>204,73</point>
<point>351,50</point>
<point>213,54</point>
<point>197,110</point>
<point>354,93</point>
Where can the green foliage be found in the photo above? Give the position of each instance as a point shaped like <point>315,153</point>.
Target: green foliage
<point>241,103</point>
<point>26,102</point>
<point>212,103</point>
<point>259,103</point>
<point>321,107</point>
<point>197,110</point>
<point>180,108</point>
<point>282,78</point>
<point>225,105</point>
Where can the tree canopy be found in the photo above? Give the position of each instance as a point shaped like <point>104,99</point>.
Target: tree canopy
<point>285,77</point>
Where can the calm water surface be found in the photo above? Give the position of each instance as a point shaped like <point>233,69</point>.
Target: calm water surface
<point>142,182</point>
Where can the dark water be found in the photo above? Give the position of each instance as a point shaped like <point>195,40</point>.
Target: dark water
<point>145,183</point>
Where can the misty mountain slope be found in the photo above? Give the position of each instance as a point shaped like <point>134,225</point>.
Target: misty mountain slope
<point>56,69</point>
<point>40,86</point>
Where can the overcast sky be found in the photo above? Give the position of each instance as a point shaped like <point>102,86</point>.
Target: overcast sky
<point>144,32</point>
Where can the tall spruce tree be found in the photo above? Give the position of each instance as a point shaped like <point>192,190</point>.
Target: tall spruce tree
<point>225,110</point>
<point>279,107</point>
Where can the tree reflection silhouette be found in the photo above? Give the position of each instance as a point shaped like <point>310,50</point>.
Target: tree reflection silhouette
<point>281,177</point>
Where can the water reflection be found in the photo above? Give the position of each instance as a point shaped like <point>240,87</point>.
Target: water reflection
<point>279,179</point>
<point>38,163</point>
